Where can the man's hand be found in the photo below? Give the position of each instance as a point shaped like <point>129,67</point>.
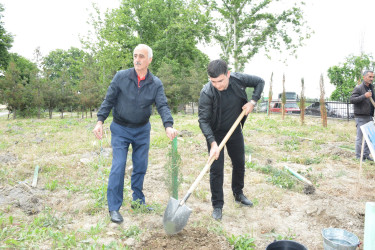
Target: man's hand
<point>98,130</point>
<point>214,151</point>
<point>368,94</point>
<point>171,133</point>
<point>248,107</point>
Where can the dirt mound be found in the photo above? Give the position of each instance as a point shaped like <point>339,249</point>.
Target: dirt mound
<point>22,196</point>
<point>8,158</point>
<point>190,238</point>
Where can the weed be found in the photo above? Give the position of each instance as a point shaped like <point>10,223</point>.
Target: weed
<point>73,188</point>
<point>216,227</point>
<point>275,236</point>
<point>306,160</point>
<point>52,185</point>
<point>132,231</point>
<point>139,208</point>
<point>277,177</point>
<point>291,145</point>
<point>242,242</point>
<point>201,194</point>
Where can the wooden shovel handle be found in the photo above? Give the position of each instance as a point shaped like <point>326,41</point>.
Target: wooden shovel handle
<point>211,159</point>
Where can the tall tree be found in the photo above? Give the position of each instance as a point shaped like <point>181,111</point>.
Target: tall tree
<point>64,71</point>
<point>172,28</point>
<point>6,40</point>
<point>15,86</point>
<point>346,75</point>
<point>244,27</point>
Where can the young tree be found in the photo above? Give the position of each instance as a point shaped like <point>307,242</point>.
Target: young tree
<point>323,109</point>
<point>302,102</point>
<point>244,27</point>
<point>270,96</point>
<point>346,75</point>
<point>6,40</point>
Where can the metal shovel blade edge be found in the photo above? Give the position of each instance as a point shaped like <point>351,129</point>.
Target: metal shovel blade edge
<point>175,216</point>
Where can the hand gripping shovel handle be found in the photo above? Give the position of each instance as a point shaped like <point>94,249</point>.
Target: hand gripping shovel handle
<point>211,159</point>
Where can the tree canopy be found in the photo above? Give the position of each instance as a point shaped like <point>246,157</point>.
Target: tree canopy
<point>348,74</point>
<point>6,40</point>
<point>246,27</point>
<point>172,28</point>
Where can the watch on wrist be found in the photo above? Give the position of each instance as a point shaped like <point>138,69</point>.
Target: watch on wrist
<point>253,102</point>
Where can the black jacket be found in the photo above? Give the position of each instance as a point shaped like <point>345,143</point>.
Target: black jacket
<point>209,102</point>
<point>362,105</point>
<point>132,106</point>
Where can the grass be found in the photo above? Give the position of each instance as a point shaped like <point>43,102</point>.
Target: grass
<point>58,146</point>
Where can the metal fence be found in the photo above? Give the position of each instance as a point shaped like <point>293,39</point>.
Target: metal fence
<point>335,109</point>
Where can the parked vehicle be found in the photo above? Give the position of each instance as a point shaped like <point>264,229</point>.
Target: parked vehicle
<point>262,107</point>
<point>290,108</point>
<point>289,96</point>
<point>334,109</point>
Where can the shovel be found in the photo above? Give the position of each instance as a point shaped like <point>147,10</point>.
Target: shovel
<point>177,213</point>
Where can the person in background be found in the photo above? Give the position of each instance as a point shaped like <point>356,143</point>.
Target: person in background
<point>130,97</point>
<point>221,101</point>
<point>363,111</point>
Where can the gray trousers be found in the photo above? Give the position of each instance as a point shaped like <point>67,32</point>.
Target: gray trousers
<point>358,141</point>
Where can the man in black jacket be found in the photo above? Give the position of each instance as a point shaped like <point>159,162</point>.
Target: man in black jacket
<point>221,101</point>
<point>363,110</point>
<point>131,95</point>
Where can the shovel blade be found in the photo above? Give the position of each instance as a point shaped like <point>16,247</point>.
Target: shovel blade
<point>175,216</point>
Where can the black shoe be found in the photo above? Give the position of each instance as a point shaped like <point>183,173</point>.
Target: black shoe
<point>217,214</point>
<point>367,157</point>
<point>241,199</point>
<point>116,216</point>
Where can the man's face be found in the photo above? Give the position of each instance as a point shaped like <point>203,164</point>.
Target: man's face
<point>368,78</point>
<point>140,59</point>
<point>221,82</point>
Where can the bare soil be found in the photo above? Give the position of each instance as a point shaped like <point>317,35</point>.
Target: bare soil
<point>338,199</point>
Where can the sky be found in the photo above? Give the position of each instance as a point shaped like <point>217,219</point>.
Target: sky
<point>342,28</point>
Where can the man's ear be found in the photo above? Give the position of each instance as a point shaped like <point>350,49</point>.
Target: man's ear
<point>228,74</point>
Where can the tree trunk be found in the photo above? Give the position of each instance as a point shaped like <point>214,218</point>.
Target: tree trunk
<point>50,113</point>
<point>38,114</point>
<point>14,113</point>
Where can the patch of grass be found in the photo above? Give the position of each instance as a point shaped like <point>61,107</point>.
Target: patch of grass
<point>51,185</point>
<point>216,227</point>
<point>305,160</point>
<point>201,194</point>
<point>242,242</point>
<point>73,188</point>
<point>291,145</point>
<point>277,177</point>
<point>131,232</point>
<point>276,236</point>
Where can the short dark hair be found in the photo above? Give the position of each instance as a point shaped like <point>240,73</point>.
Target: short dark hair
<point>216,68</point>
<point>367,71</point>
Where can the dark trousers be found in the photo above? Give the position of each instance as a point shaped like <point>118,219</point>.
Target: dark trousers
<point>358,141</point>
<point>122,137</point>
<point>236,151</point>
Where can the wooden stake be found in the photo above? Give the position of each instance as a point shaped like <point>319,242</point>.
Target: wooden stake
<point>360,166</point>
